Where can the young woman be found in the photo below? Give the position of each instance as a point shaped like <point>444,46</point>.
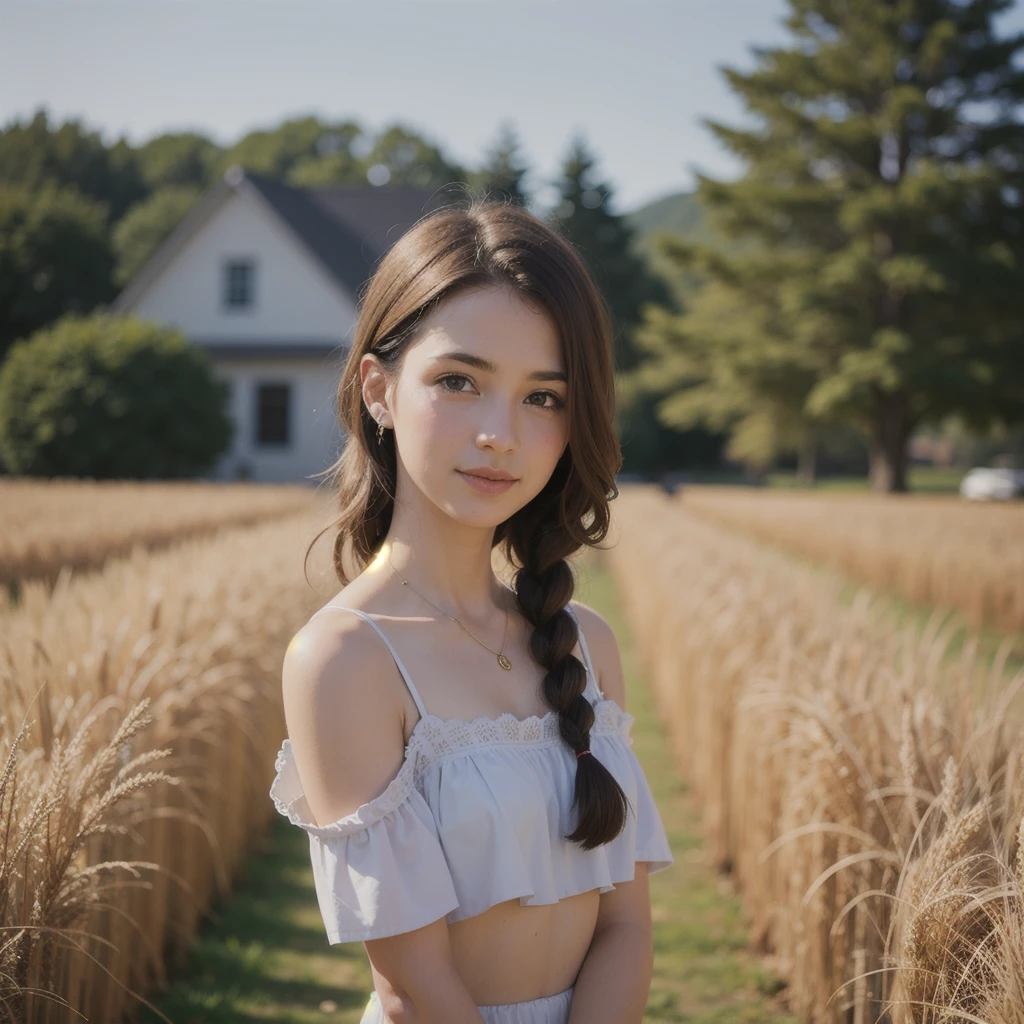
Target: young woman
<point>476,815</point>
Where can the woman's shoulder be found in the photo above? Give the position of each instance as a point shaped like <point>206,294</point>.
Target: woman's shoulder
<point>335,653</point>
<point>333,661</point>
<point>329,634</point>
<point>335,623</point>
<point>595,626</point>
<point>605,656</point>
<point>345,722</point>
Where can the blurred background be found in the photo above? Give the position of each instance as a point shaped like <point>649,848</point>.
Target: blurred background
<point>807,223</point>
<point>807,217</point>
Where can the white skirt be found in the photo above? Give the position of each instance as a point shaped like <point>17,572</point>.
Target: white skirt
<point>546,1010</point>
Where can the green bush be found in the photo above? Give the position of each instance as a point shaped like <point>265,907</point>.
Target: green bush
<point>55,257</point>
<point>147,225</point>
<point>110,397</point>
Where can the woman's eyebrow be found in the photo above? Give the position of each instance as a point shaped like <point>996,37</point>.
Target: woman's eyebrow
<point>488,367</point>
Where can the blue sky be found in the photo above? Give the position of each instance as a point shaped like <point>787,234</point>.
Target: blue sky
<point>634,77</point>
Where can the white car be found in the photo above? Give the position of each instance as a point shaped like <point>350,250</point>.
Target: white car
<point>982,484</point>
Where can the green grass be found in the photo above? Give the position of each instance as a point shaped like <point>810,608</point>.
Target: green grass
<point>265,957</point>
<point>704,972</point>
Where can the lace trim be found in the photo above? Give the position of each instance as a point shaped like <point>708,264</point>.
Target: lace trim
<point>435,738</point>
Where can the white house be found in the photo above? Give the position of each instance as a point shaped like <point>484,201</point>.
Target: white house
<point>267,279</point>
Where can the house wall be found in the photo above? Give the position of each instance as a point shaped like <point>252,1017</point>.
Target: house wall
<point>296,301</point>
<point>315,437</point>
<point>295,297</point>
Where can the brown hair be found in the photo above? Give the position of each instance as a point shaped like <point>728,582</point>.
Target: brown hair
<point>491,243</point>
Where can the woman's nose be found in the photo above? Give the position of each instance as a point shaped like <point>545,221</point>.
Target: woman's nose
<point>498,429</point>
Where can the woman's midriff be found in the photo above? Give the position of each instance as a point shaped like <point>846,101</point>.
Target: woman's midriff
<point>511,953</point>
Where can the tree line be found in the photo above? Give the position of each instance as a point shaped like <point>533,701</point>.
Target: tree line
<point>79,218</point>
<point>863,276</point>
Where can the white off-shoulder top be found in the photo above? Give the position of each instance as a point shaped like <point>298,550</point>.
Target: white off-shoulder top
<point>476,815</point>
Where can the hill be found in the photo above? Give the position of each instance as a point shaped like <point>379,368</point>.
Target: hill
<point>678,214</point>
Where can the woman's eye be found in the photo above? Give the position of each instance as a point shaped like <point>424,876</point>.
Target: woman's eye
<point>557,402</point>
<point>451,376</point>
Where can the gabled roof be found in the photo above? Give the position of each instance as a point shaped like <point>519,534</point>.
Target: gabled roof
<point>347,228</point>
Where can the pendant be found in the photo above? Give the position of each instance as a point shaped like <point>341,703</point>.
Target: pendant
<point>504,662</point>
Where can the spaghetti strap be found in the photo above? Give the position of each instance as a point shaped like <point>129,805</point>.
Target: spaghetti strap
<point>394,654</point>
<point>592,683</point>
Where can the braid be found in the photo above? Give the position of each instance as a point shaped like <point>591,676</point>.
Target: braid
<point>447,252</point>
<point>543,588</point>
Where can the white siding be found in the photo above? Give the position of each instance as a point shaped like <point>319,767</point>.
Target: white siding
<point>296,298</point>
<point>315,440</point>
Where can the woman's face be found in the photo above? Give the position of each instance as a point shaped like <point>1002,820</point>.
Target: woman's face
<point>481,388</point>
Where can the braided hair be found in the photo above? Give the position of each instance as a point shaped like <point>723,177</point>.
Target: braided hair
<point>497,243</point>
<point>544,586</point>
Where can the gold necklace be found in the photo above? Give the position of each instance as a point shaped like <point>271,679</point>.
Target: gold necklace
<point>502,660</point>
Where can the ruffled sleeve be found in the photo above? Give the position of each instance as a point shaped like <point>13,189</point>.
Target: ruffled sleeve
<point>378,871</point>
<point>644,837</point>
<point>651,842</point>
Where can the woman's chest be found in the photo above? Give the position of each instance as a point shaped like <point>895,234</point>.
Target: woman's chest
<point>480,797</point>
<point>502,812</point>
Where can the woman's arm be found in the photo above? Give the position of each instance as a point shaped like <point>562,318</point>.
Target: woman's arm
<point>615,979</point>
<point>416,978</point>
<point>345,721</point>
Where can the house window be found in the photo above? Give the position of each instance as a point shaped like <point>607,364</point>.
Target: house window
<point>273,414</point>
<point>239,284</point>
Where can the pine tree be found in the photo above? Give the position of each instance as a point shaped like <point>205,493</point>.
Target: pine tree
<point>884,197</point>
<point>503,172</point>
<point>583,213</point>
<point>606,241</point>
<point>728,363</point>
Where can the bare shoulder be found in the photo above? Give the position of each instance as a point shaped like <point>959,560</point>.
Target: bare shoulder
<point>604,652</point>
<point>313,662</point>
<point>343,716</point>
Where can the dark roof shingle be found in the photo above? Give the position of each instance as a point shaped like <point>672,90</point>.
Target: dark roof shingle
<point>348,228</point>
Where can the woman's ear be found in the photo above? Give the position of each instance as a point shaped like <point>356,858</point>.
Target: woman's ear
<point>374,388</point>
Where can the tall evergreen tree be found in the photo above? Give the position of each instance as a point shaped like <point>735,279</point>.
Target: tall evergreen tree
<point>884,193</point>
<point>713,371</point>
<point>606,241</point>
<point>504,170</point>
<point>583,213</point>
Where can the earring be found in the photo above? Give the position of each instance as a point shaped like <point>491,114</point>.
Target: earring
<point>380,432</point>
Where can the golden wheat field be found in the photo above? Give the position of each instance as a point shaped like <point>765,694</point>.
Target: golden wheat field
<point>140,712</point>
<point>77,524</point>
<point>867,791</point>
<point>865,788</point>
<point>933,549</point>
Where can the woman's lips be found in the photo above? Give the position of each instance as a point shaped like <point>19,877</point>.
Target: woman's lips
<point>484,486</point>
